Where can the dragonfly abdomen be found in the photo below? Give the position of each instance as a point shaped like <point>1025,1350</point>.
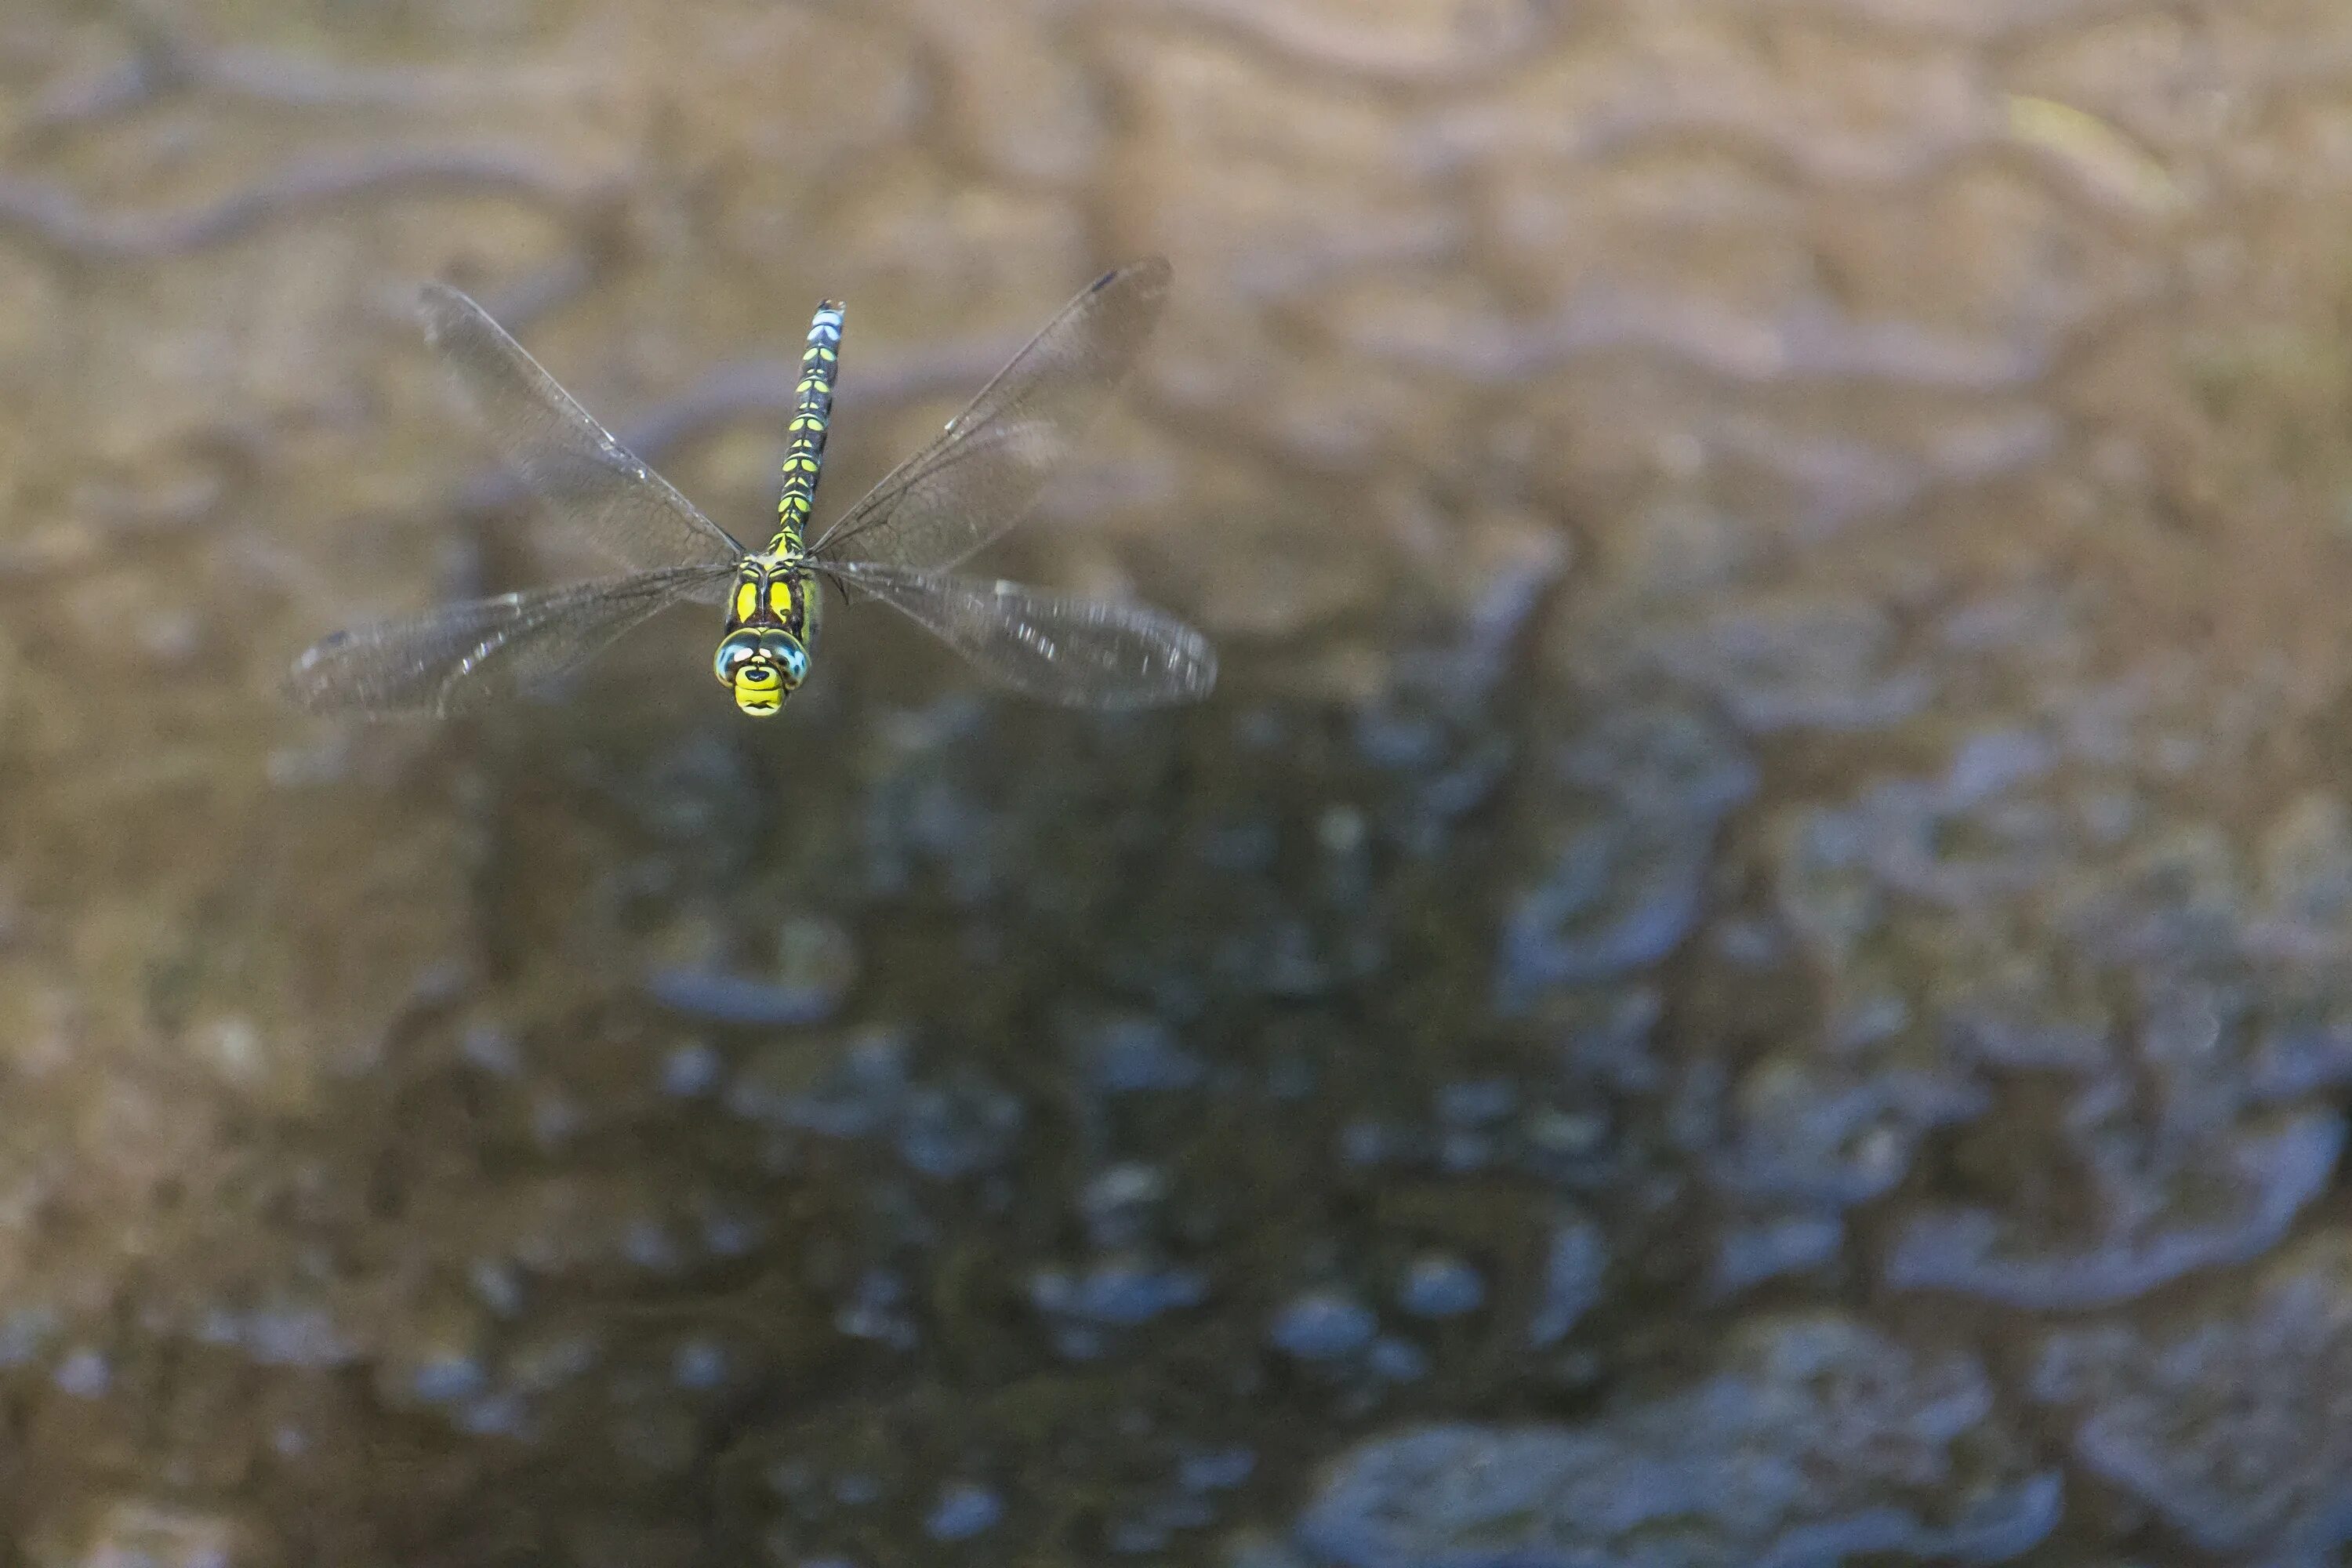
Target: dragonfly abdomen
<point>805,454</point>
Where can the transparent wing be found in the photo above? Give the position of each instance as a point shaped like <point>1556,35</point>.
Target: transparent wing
<point>583,475</point>
<point>1080,653</point>
<point>980,476</point>
<point>463,656</point>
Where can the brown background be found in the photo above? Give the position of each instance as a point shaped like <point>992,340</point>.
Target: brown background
<point>1781,567</point>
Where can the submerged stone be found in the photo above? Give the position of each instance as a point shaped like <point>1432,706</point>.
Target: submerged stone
<point>1119,1293</point>
<point>1575,1259</point>
<point>1818,1439</point>
<point>1437,1284</point>
<point>2247,1189</point>
<point>2232,1422</point>
<point>963,1511</point>
<point>1323,1325</point>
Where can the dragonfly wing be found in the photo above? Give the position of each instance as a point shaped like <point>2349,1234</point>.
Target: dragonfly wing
<point>980,476</point>
<point>1080,653</point>
<point>463,656</point>
<point>572,462</point>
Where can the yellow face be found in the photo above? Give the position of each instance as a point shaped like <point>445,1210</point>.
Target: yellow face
<point>762,665</point>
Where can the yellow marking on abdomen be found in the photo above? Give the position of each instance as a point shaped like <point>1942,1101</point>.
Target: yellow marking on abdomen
<point>804,456</point>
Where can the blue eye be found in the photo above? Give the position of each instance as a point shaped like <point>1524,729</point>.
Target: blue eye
<point>733,649</point>
<point>787,652</point>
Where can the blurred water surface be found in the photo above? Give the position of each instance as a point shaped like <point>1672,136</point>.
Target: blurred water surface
<point>1752,963</point>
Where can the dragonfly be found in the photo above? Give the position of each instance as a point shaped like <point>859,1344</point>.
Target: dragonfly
<point>971,485</point>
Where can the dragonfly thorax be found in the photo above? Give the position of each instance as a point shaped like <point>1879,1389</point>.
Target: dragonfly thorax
<point>771,627</point>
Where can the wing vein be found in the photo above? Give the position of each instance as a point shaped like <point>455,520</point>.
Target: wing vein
<point>978,476</point>
<point>572,463</point>
<point>1079,653</point>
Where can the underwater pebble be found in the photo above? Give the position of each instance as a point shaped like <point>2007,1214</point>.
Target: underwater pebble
<point>961,1127</point>
<point>1666,761</point>
<point>437,1358</point>
<point>1566,1136</point>
<point>1438,1285</point>
<point>1156,1525</point>
<point>553,1121</point>
<point>963,1511</point>
<point>1323,1326</point>
<point>444,1379</point>
<point>1461,1150</point>
<point>1480,768</point>
<point>1118,1202</point>
<point>1799,664</point>
<point>1254,1548</point>
<point>1135,1056</point>
<point>500,1415</point>
<point>876,1310</point>
<point>1340,830</point>
<point>279,1336</point>
<point>85,1374</point>
<point>958,1126</point>
<point>736,1000</point>
<point>1287,962</point>
<point>1477,1103</point>
<point>648,1244</point>
<point>492,1048</point>
<point>497,1285</point>
<point>699,1364</point>
<point>1119,1293</point>
<point>1220,1470</point>
<point>2258,1180</point>
<point>132,1531</point>
<point>1365,1144</point>
<point>2233,1423</point>
<point>1574,1262</point>
<point>728,1235</point>
<point>1397,1361</point>
<point>538,1365</point>
<point>1817,1439</point>
<point>816,963</point>
<point>1134,1537</point>
<point>1399,742</point>
<point>1611,1039</point>
<point>854,1096</point>
<point>1813,1132</point>
<point>1747,1255</point>
<point>2295,1059</point>
<point>26,1333</point>
<point>1621,896</point>
<point>2306,855</point>
<point>691,1071</point>
<point>1995,760</point>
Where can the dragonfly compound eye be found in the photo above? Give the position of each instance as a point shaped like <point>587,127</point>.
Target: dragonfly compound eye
<point>733,649</point>
<point>789,656</point>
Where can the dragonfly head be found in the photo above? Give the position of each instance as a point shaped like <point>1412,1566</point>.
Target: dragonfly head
<point>762,665</point>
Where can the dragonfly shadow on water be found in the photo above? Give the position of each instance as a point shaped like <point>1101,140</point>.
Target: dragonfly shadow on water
<point>899,544</point>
